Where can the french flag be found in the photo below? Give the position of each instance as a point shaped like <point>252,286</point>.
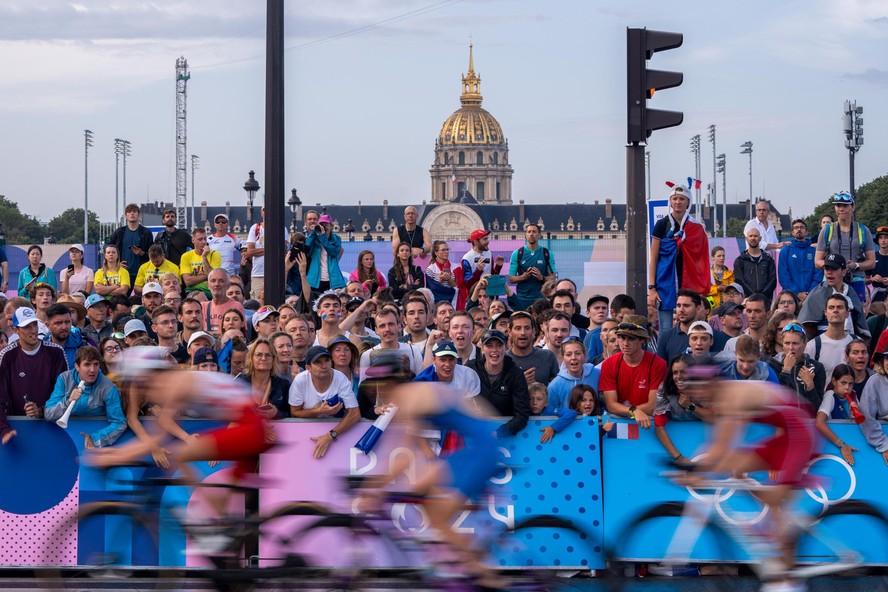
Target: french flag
<point>374,432</point>
<point>624,431</point>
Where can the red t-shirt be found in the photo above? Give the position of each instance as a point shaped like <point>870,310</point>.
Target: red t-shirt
<point>213,313</point>
<point>633,385</point>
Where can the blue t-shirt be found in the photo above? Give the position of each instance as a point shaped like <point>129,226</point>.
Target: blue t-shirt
<point>530,289</point>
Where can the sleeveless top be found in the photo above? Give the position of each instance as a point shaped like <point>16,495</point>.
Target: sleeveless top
<point>412,237</point>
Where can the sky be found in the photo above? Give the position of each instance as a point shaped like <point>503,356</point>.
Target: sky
<point>369,83</point>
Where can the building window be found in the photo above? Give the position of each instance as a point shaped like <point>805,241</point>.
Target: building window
<point>479,190</point>
<point>479,157</point>
<point>444,190</point>
<point>460,188</point>
<point>497,189</point>
<point>496,158</point>
<point>462,158</point>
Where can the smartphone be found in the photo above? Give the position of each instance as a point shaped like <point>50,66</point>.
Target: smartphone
<point>71,267</point>
<point>132,248</point>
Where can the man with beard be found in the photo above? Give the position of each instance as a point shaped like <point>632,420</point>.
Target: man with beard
<point>58,321</point>
<point>389,329</point>
<point>174,241</point>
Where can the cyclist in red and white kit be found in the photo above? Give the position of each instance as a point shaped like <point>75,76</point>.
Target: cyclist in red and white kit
<point>784,455</point>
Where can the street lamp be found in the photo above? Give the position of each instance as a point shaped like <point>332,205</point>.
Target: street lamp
<point>720,167</point>
<point>121,148</point>
<point>714,194</point>
<point>747,149</point>
<point>295,208</point>
<point>195,164</point>
<point>87,144</point>
<point>853,128</point>
<point>695,149</point>
<point>251,187</point>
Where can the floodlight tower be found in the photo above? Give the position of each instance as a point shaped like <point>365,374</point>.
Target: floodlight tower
<point>182,76</point>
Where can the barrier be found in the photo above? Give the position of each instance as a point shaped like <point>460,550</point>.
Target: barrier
<point>562,477</point>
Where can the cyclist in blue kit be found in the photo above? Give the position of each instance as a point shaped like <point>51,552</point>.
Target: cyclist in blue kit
<point>452,480</point>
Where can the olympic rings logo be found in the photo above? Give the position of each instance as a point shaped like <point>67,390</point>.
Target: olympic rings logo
<point>818,493</point>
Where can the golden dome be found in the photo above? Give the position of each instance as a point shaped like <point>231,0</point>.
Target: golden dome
<point>470,124</point>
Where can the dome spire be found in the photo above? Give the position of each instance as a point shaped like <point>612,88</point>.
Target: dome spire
<point>471,95</point>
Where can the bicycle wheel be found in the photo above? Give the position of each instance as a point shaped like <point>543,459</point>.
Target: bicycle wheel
<point>523,551</point>
<point>664,537</point>
<point>116,545</point>
<point>844,538</point>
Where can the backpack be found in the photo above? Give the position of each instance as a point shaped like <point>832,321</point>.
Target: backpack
<point>830,228</point>
<point>546,258</point>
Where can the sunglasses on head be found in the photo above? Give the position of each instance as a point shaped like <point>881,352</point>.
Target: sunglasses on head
<point>843,198</point>
<point>624,326</point>
<point>794,328</point>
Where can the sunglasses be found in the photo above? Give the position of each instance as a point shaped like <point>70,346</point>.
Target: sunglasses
<point>794,328</point>
<point>631,327</point>
<point>843,198</point>
<point>118,335</point>
<point>266,309</point>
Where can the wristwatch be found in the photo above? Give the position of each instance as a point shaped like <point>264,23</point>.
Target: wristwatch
<point>334,434</point>
<point>632,409</point>
<point>652,286</point>
<point>691,408</point>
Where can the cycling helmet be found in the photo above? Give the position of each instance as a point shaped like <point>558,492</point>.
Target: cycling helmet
<point>138,361</point>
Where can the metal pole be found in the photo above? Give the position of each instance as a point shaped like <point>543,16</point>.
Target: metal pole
<point>714,196</point>
<point>274,153</point>
<point>194,163</point>
<point>116,181</point>
<point>125,151</point>
<point>647,164</point>
<point>851,171</point>
<point>636,226</point>
<point>724,199</point>
<point>87,142</point>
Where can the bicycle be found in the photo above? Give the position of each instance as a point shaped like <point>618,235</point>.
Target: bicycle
<point>119,538</point>
<point>370,546</point>
<point>700,530</point>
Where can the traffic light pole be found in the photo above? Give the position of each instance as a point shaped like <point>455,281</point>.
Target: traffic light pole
<point>274,154</point>
<point>636,227</point>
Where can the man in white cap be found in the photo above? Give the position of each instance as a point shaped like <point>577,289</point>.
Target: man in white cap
<point>134,330</point>
<point>226,244</point>
<point>265,321</point>
<point>28,371</point>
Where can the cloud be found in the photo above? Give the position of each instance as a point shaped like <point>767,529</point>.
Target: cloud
<point>870,75</point>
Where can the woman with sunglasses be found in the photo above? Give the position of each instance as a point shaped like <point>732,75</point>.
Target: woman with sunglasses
<point>795,369</point>
<point>850,239</point>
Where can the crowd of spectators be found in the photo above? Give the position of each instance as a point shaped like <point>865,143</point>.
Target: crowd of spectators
<point>536,350</point>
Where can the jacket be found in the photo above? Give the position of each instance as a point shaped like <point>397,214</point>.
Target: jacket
<point>795,267</point>
<point>756,277</point>
<point>174,244</point>
<point>98,399</point>
<point>714,295</point>
<point>146,239</point>
<point>75,341</point>
<point>762,372</point>
<point>333,245</point>
<point>507,394</point>
<point>791,381</point>
<point>560,387</point>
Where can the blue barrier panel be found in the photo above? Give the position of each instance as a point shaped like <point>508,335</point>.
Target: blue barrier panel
<point>632,484</point>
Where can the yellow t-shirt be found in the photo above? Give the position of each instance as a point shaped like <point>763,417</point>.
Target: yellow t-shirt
<point>192,263</point>
<point>149,273</point>
<point>120,277</point>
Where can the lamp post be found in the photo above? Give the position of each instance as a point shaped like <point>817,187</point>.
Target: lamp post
<point>747,149</point>
<point>720,167</point>
<point>853,128</point>
<point>251,187</point>
<point>195,164</point>
<point>87,144</point>
<point>121,148</point>
<point>295,206</point>
<point>695,149</point>
<point>714,194</point>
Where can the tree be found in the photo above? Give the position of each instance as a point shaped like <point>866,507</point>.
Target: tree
<point>21,229</point>
<point>871,211</point>
<point>67,227</point>
<point>735,227</point>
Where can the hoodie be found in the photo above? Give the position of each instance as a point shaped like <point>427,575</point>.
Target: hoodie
<point>565,416</point>
<point>507,393</point>
<point>795,267</point>
<point>874,406</point>
<point>100,398</point>
<point>791,379</point>
<point>561,385</point>
<point>75,341</point>
<point>762,372</point>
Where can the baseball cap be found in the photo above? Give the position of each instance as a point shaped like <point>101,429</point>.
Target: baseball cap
<point>634,326</point>
<point>478,234</point>
<point>494,334</point>
<point>506,314</point>
<point>881,230</point>
<point>94,299</point>
<point>77,246</point>
<point>444,348</point>
<point>679,189</point>
<point>152,288</point>
<point>702,324</point>
<point>205,354</point>
<point>325,219</point>
<point>263,313</point>
<point>599,298</point>
<point>834,261</point>
<point>843,197</point>
<point>201,335</point>
<point>728,308</point>
<point>879,355</point>
<point>24,316</point>
<point>132,326</point>
<point>225,216</point>
<point>316,352</point>
<point>737,287</point>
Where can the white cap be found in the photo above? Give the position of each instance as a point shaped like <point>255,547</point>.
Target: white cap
<point>132,326</point>
<point>78,246</point>
<point>152,288</point>
<point>24,316</point>
<point>199,334</point>
<point>702,324</point>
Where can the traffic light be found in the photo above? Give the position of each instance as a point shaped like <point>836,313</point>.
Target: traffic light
<point>641,44</point>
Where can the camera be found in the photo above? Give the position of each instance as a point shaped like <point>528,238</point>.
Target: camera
<point>295,249</point>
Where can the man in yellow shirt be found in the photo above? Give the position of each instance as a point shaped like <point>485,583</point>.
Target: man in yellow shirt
<point>157,266</point>
<point>196,264</point>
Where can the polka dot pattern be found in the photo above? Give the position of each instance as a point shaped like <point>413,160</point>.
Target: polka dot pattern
<point>41,539</point>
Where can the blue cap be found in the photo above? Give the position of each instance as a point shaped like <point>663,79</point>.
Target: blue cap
<point>94,299</point>
<point>315,352</point>
<point>444,348</point>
